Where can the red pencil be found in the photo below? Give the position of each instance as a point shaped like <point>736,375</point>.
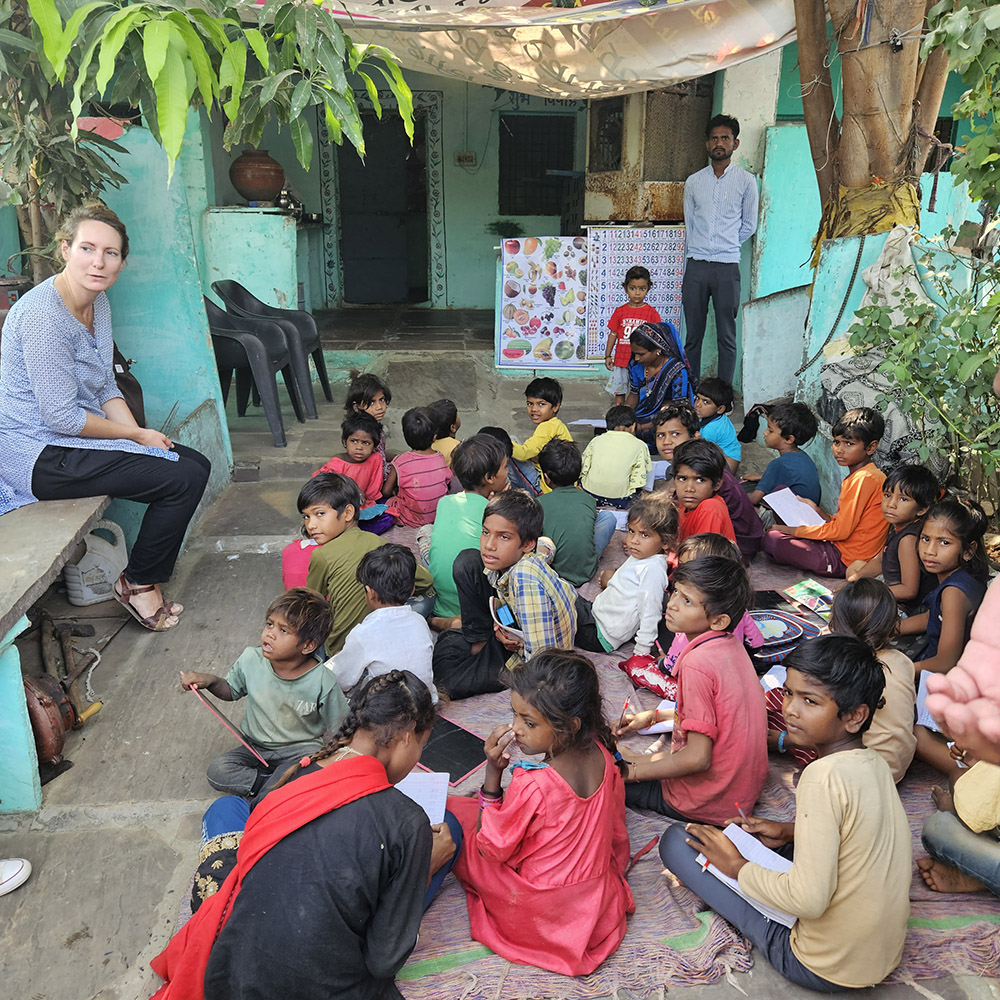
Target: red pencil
<point>621,721</point>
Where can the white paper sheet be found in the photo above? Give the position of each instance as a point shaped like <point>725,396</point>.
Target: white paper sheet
<point>791,509</point>
<point>660,470</point>
<point>429,789</point>
<point>924,718</point>
<point>753,850</point>
<point>667,726</point>
<point>587,422</point>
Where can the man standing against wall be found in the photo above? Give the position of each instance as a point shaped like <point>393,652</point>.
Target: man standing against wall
<point>720,214</point>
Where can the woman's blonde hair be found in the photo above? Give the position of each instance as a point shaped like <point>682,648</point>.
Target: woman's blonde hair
<point>92,211</point>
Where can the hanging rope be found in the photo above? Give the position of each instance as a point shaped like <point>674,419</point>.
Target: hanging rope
<point>840,314</point>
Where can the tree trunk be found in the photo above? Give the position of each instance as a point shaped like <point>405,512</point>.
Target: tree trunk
<point>822,124</point>
<point>868,165</point>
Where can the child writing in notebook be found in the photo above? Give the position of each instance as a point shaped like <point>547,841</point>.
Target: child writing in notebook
<point>857,530</point>
<point>718,752</point>
<point>544,860</point>
<point>849,883</point>
<point>360,435</point>
<point>907,494</point>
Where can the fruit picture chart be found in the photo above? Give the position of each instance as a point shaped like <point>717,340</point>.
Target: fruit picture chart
<point>542,304</point>
<point>613,250</point>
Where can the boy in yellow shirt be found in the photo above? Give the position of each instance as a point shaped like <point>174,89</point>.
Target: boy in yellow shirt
<point>543,397</point>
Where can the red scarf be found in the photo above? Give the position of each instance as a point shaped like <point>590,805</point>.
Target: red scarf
<point>183,962</point>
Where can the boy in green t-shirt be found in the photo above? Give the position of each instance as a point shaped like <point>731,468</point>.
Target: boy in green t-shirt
<point>579,530</point>
<point>291,699</point>
<point>480,463</point>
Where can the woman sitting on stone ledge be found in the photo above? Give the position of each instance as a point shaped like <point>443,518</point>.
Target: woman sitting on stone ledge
<point>65,430</point>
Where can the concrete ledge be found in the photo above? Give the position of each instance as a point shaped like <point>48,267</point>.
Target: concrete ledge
<point>35,542</point>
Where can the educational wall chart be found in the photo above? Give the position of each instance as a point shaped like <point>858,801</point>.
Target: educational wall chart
<point>542,303</point>
<point>612,251</point>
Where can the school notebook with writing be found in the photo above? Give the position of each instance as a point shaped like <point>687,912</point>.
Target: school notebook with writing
<point>753,850</point>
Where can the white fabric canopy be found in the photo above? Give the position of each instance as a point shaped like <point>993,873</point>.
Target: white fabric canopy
<point>598,49</point>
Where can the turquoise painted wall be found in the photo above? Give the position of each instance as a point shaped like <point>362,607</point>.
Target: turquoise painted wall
<point>256,247</point>
<point>790,211</point>
<point>10,240</point>
<point>20,790</point>
<point>471,118</point>
<point>159,318</point>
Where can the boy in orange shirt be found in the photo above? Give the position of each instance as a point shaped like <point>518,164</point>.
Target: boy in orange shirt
<point>857,531</point>
<point>698,468</point>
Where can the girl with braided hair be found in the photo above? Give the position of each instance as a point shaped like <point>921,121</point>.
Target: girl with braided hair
<point>332,874</point>
<point>544,865</point>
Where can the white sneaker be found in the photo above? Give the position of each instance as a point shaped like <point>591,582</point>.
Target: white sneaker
<point>14,872</point>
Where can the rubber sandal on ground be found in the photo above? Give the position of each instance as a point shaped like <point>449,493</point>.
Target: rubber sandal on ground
<point>154,622</point>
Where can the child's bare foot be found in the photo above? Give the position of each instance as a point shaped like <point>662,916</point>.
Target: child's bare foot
<point>443,624</point>
<point>943,799</point>
<point>943,878</point>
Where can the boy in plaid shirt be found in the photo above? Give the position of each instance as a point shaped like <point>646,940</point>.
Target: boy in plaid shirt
<point>468,660</point>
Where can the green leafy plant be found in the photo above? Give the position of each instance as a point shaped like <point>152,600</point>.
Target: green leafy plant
<point>253,64</point>
<point>943,357</point>
<point>969,32</point>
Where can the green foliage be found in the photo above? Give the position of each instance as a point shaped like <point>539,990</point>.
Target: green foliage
<point>969,30</point>
<point>255,64</point>
<point>943,357</point>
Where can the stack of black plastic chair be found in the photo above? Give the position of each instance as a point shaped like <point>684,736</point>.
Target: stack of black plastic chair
<point>300,332</point>
<point>256,349</point>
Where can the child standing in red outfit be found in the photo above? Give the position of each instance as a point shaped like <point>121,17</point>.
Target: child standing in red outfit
<point>698,467</point>
<point>544,863</point>
<point>624,320</point>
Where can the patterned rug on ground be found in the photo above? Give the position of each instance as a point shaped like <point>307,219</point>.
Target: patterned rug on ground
<point>671,939</point>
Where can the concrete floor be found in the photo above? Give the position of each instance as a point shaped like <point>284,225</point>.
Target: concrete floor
<point>116,841</point>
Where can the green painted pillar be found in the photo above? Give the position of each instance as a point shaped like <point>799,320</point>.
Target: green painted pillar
<point>20,789</point>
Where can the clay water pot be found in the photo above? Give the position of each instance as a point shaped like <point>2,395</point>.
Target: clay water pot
<point>257,176</point>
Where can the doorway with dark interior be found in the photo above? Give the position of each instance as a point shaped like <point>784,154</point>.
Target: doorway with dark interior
<point>383,214</point>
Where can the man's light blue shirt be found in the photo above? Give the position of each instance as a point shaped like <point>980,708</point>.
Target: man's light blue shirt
<point>720,213</point>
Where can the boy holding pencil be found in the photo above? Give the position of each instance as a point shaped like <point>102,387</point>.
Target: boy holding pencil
<point>718,751</point>
<point>849,882</point>
<point>291,699</point>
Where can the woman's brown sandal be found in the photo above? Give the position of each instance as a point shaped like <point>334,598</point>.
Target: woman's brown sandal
<point>154,622</point>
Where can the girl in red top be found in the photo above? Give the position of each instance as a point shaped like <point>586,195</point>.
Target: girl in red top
<point>360,461</point>
<point>698,468</point>
<point>624,320</point>
<point>544,865</point>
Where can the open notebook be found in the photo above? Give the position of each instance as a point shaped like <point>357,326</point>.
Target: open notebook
<point>753,850</point>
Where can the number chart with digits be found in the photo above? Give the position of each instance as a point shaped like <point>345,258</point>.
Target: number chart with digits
<point>613,250</point>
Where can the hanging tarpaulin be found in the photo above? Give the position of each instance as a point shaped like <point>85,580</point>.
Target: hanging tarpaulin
<point>597,48</point>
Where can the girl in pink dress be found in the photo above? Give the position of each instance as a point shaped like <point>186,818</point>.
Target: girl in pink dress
<point>544,863</point>
<point>360,434</point>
